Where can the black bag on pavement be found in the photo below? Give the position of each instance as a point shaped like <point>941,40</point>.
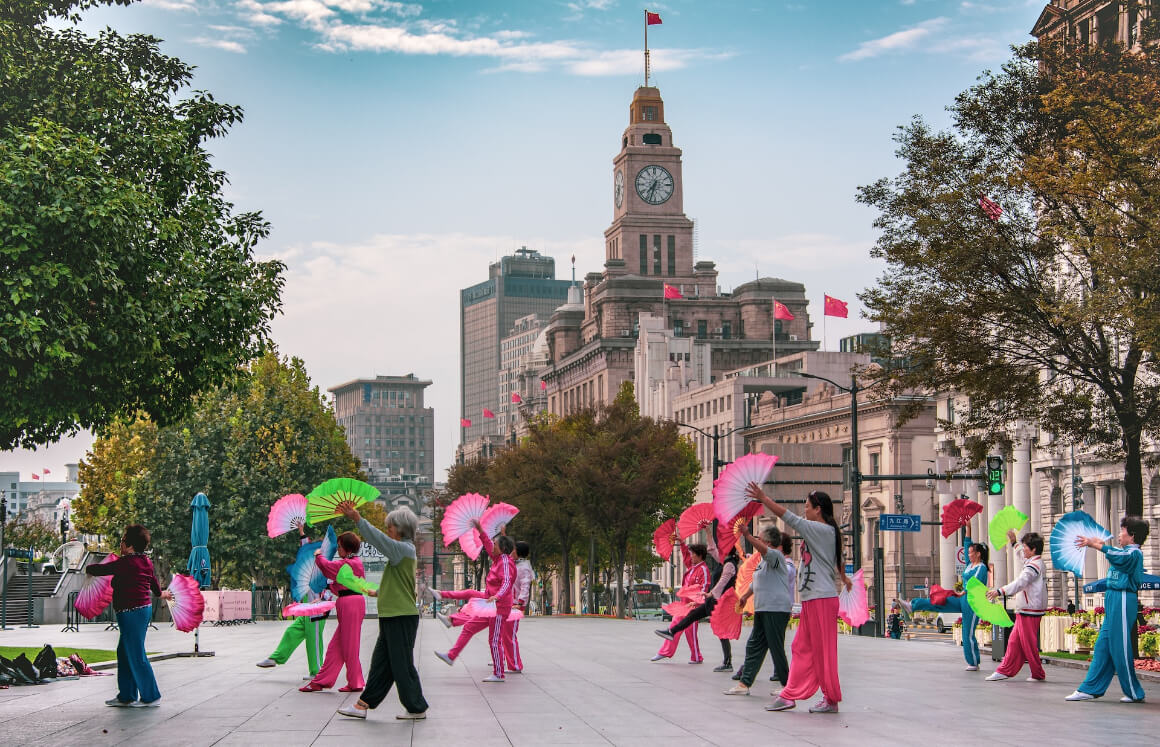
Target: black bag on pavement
<point>45,663</point>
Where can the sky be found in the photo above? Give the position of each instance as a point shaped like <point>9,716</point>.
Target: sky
<point>398,148</point>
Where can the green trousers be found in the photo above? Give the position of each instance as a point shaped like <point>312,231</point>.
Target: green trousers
<point>302,629</point>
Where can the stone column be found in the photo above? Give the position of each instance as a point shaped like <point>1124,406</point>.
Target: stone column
<point>946,547</point>
<point>1036,503</point>
<point>1090,500</point>
<point>1020,475</point>
<point>1103,507</point>
<point>993,504</point>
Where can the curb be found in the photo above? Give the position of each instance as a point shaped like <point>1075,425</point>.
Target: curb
<point>1074,664</point>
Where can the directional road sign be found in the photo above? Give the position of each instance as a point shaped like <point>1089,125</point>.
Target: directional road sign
<point>900,522</point>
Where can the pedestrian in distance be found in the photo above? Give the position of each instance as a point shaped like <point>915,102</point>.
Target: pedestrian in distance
<point>697,578</point>
<point>773,593</point>
<point>393,661</point>
<point>1030,592</point>
<point>301,629</point>
<point>134,584</point>
<point>894,621</point>
<point>350,609</point>
<point>1113,652</point>
<point>814,663</point>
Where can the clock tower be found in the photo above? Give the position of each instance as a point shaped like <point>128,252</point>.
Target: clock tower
<point>649,235</point>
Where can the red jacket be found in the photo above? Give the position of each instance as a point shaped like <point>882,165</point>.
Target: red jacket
<point>501,578</point>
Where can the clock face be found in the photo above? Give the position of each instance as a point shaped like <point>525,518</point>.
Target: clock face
<point>618,188</point>
<point>654,185</point>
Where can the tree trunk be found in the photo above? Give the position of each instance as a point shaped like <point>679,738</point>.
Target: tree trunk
<point>618,562</point>
<point>1133,474</point>
<point>566,572</point>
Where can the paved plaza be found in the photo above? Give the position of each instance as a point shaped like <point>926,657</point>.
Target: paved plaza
<point>587,681</point>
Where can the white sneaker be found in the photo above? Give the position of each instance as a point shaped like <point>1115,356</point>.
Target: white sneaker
<point>444,658</point>
<point>780,704</point>
<point>1032,679</point>
<point>737,689</point>
<point>436,595</point>
<point>408,716</point>
<point>267,663</point>
<point>972,668</point>
<point>658,657</point>
<point>824,706</point>
<point>1130,699</point>
<point>493,678</point>
<point>353,712</point>
<point>996,676</point>
<point>443,619</point>
<point>118,703</point>
<point>1077,695</point>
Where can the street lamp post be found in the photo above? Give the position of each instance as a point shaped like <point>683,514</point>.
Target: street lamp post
<point>716,435</point>
<point>855,472</point>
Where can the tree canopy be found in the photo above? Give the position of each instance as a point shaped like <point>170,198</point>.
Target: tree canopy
<point>127,281</point>
<point>1048,313</point>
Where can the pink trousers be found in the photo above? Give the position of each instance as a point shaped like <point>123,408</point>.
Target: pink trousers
<point>815,653</point>
<point>511,645</point>
<point>344,645</point>
<point>668,648</point>
<point>1023,646</point>
<point>472,625</point>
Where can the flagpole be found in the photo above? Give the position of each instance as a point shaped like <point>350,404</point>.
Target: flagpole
<point>646,47</point>
<point>773,363</point>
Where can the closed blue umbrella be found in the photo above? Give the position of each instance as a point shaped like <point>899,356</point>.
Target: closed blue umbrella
<point>199,538</point>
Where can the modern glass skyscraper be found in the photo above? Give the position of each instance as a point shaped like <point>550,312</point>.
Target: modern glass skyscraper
<point>520,284</point>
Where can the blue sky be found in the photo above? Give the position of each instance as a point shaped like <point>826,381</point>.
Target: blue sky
<point>399,147</point>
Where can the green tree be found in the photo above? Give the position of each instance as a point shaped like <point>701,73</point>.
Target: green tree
<point>127,281</point>
<point>112,474</point>
<point>1051,313</point>
<point>27,531</point>
<point>262,435</point>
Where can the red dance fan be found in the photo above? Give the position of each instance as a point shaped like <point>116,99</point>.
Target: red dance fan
<point>727,533</point>
<point>725,620</point>
<point>96,594</point>
<point>285,515</point>
<point>188,605</point>
<point>482,608</point>
<point>677,609</point>
<point>957,513</point>
<point>493,519</point>
<point>938,595</point>
<point>695,518</point>
<point>308,609</point>
<point>852,604</point>
<point>745,578</point>
<point>663,539</point>
<point>458,517</point>
<point>729,497</point>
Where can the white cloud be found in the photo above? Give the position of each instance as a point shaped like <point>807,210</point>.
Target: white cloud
<point>906,39</point>
<point>224,44</point>
<point>172,4</point>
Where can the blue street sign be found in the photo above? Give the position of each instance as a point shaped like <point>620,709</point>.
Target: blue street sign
<point>13,552</point>
<point>849,569</point>
<point>919,587</point>
<point>900,522</point>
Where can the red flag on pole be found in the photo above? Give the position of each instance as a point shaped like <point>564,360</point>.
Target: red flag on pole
<point>464,423</point>
<point>46,470</point>
<point>488,413</point>
<point>671,292</point>
<point>653,18</point>
<point>781,311</point>
<point>543,385</point>
<point>992,209</point>
<point>516,398</point>
<point>35,476</point>
<point>834,307</point>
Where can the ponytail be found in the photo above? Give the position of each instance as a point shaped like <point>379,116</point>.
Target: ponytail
<point>825,504</point>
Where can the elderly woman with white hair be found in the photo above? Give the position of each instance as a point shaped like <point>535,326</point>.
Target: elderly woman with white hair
<point>393,662</point>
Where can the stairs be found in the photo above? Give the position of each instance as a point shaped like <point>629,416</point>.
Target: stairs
<point>43,585</point>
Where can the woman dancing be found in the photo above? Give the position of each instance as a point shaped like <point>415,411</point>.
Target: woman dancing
<point>308,629</point>
<point>351,609</point>
<point>696,577</point>
<point>815,647</point>
<point>772,590</point>
<point>978,554</point>
<point>133,585</point>
<point>725,579</point>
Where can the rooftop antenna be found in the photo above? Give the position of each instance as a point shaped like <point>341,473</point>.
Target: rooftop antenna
<point>573,269</point>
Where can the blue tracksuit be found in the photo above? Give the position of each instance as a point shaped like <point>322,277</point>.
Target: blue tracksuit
<point>959,604</point>
<point>1113,652</point>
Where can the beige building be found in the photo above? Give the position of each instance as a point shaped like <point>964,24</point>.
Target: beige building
<point>1092,21</point>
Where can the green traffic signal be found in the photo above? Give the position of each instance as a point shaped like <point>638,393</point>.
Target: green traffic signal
<point>994,475</point>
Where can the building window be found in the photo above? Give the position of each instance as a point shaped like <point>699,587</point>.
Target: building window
<point>950,409</point>
<point>649,113</point>
<point>656,254</point>
<point>702,329</point>
<point>672,255</point>
<point>726,330</point>
<point>678,328</point>
<point>643,254</point>
<point>875,466</point>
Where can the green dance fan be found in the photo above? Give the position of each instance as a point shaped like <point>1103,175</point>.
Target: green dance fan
<point>1007,519</point>
<point>346,577</point>
<point>322,502</point>
<point>985,609</point>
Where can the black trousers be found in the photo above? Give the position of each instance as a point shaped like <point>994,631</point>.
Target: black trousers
<point>768,635</point>
<point>393,663</point>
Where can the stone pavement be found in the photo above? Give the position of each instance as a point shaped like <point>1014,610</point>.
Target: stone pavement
<point>588,681</point>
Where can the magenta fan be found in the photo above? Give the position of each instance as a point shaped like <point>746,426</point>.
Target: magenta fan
<point>187,605</point>
<point>493,519</point>
<point>729,497</point>
<point>96,594</point>
<point>457,517</point>
<point>852,604</point>
<point>285,515</point>
<point>483,608</point>
<point>308,609</point>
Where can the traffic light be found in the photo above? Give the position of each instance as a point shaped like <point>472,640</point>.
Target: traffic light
<point>994,475</point>
<point>3,509</point>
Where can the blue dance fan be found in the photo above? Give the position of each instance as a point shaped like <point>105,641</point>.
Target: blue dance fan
<point>329,549</point>
<point>1064,554</point>
<point>302,571</point>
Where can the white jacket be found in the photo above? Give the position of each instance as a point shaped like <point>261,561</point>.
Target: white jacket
<point>1029,589</point>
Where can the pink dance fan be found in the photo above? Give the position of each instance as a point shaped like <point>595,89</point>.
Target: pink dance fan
<point>187,605</point>
<point>728,533</point>
<point>852,604</point>
<point>483,608</point>
<point>308,609</point>
<point>725,620</point>
<point>745,578</point>
<point>285,514</point>
<point>458,516</point>
<point>493,519</point>
<point>96,594</point>
<point>729,497</point>
<point>677,609</point>
<point>693,594</point>
<point>694,518</point>
<point>663,538</point>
